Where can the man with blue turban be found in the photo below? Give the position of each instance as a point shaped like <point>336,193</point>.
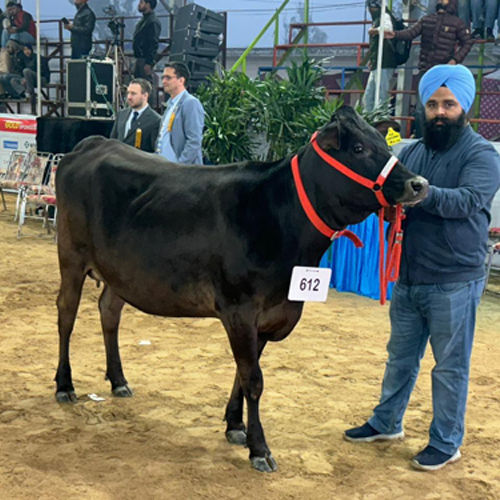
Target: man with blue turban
<point>442,272</point>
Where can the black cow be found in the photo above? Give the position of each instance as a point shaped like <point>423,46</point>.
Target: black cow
<point>208,241</point>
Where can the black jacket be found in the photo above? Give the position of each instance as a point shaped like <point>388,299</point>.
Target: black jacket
<point>444,37</point>
<point>81,33</point>
<point>30,63</point>
<point>146,38</point>
<point>388,56</point>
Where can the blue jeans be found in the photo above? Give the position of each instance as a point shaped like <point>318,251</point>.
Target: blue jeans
<point>385,87</point>
<point>484,13</point>
<point>22,37</point>
<point>445,314</point>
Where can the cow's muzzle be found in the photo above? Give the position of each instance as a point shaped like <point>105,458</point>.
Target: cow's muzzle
<point>416,190</point>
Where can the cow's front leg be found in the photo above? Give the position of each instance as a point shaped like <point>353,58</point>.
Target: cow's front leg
<point>236,432</point>
<point>244,343</point>
<point>110,306</point>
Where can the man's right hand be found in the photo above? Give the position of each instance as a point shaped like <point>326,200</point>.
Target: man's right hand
<point>389,34</point>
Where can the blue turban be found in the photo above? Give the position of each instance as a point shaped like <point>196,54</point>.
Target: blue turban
<point>456,77</point>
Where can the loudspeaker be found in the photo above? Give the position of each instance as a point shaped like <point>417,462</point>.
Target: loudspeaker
<point>197,17</point>
<point>197,40</point>
<point>196,43</point>
<point>90,89</point>
<point>199,67</point>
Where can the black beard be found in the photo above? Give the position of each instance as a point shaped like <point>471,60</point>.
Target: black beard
<point>442,137</point>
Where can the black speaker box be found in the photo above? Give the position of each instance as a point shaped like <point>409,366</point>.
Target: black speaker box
<point>90,88</point>
<point>194,16</point>
<point>199,67</point>
<point>194,42</point>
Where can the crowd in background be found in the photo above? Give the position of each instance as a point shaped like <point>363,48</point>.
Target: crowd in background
<point>18,36</point>
<point>447,29</point>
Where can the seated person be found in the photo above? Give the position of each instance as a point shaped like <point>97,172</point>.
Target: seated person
<point>20,26</point>
<point>22,79</point>
<point>30,70</point>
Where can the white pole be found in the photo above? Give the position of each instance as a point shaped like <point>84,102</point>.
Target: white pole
<point>379,53</point>
<point>38,62</point>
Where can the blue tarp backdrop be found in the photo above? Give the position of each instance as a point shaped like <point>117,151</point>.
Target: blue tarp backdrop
<point>356,269</point>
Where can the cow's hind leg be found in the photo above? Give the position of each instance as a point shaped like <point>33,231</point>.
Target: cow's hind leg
<point>110,307</point>
<point>243,337</point>
<point>236,432</point>
<point>72,278</point>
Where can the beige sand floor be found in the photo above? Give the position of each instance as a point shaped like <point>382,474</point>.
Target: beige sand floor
<point>168,440</point>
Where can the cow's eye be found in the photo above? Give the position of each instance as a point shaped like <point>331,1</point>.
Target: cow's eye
<point>358,149</point>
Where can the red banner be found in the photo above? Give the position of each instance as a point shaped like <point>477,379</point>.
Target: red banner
<point>19,126</point>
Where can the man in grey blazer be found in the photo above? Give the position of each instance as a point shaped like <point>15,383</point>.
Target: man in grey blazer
<point>137,125</point>
<point>181,129</point>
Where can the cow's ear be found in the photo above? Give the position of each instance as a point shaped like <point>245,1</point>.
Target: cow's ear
<point>329,136</point>
<point>383,126</point>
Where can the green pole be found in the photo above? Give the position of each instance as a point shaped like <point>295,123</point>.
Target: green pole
<point>306,20</point>
<point>277,31</point>
<point>259,36</point>
<point>479,86</point>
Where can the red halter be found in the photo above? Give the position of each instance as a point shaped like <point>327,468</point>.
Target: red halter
<point>391,271</point>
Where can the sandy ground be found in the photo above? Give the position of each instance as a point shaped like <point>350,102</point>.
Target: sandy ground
<point>167,442</point>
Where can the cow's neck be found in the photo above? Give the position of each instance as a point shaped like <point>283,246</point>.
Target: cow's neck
<point>324,193</point>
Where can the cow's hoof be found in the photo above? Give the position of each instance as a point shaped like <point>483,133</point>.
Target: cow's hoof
<point>264,464</point>
<point>66,397</point>
<point>237,437</point>
<point>123,391</point>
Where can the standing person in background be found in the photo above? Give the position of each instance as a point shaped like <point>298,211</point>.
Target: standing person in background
<point>442,269</point>
<point>145,40</point>
<point>181,132</point>
<point>444,40</point>
<point>81,29</point>
<point>21,27</point>
<point>463,10</point>
<point>444,36</point>
<point>388,58</point>
<point>139,115</point>
<point>484,13</point>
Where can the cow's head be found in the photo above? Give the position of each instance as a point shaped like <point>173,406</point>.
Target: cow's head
<point>362,148</point>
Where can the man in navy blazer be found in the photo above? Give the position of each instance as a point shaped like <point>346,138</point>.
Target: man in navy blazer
<point>137,116</point>
<point>181,129</point>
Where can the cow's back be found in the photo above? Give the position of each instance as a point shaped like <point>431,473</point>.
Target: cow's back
<point>193,234</point>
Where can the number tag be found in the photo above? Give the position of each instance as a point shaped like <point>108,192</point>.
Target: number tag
<point>309,284</point>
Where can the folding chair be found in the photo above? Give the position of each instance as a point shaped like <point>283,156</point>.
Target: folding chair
<point>11,179</point>
<point>494,236</point>
<point>49,198</point>
<point>34,186</point>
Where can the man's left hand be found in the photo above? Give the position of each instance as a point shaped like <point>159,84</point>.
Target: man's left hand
<point>148,69</point>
